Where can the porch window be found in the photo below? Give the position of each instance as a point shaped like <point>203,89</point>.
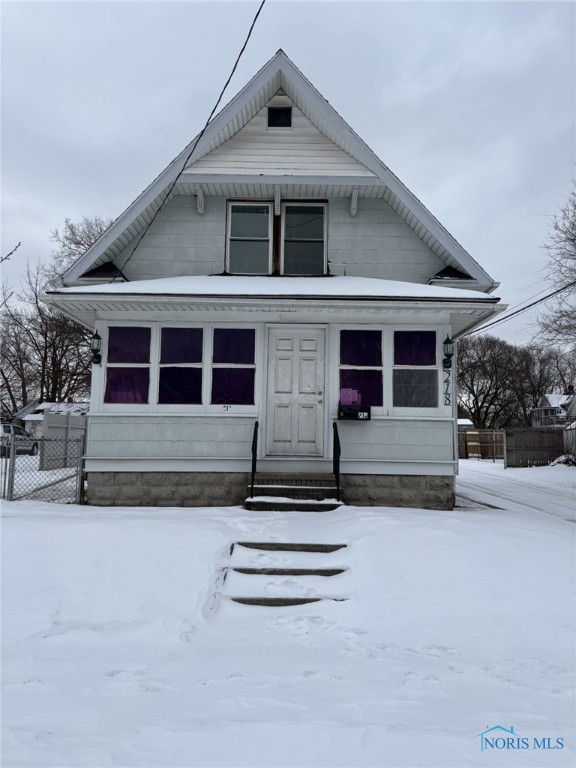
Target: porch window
<point>128,383</point>
<point>361,367</point>
<point>415,376</point>
<point>180,380</point>
<point>233,366</point>
<point>249,240</point>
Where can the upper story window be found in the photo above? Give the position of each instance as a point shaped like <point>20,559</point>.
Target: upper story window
<point>260,243</point>
<point>279,117</point>
<point>303,251</point>
<point>250,241</point>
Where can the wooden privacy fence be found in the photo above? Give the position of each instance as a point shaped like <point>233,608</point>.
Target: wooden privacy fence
<point>481,444</point>
<point>533,447</point>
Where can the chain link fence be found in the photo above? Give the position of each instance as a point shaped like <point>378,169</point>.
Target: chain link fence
<point>47,470</point>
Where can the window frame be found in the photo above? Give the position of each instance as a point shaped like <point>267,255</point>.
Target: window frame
<point>231,366</point>
<point>279,127</point>
<point>108,365</point>
<point>355,367</point>
<point>160,365</point>
<point>250,203</point>
<point>277,236</point>
<point>417,410</point>
<point>388,409</point>
<point>309,204</point>
<point>153,407</point>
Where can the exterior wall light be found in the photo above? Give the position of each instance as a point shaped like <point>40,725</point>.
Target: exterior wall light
<point>95,347</point>
<point>448,353</point>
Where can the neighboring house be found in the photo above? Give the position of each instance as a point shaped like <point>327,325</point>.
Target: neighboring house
<point>289,272</point>
<point>554,410</point>
<point>32,416</point>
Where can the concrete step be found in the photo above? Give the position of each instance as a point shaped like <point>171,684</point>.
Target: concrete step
<point>290,571</point>
<point>277,546</point>
<point>312,492</point>
<point>290,505</point>
<point>294,478</point>
<point>283,601</point>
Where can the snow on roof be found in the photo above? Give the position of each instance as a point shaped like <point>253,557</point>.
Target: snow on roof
<point>228,285</point>
<point>557,400</point>
<point>65,408</point>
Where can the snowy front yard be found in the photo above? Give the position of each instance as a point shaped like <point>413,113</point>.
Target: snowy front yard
<point>118,649</point>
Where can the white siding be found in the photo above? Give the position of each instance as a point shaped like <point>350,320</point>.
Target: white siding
<point>180,242</point>
<point>374,243</point>
<point>226,437</point>
<point>170,437</point>
<point>299,150</point>
<point>397,440</point>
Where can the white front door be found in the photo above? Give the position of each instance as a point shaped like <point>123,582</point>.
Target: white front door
<point>295,417</point>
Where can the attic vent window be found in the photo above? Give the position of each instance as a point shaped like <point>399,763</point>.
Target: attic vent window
<point>279,117</point>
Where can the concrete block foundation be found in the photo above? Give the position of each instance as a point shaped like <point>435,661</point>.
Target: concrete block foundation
<point>214,489</point>
<point>416,491</point>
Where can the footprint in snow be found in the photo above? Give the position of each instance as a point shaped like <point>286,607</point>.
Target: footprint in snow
<point>287,588</point>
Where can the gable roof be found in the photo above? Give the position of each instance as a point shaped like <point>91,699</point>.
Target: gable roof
<point>279,74</point>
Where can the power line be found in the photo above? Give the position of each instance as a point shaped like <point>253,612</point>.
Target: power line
<point>504,318</point>
<point>189,155</point>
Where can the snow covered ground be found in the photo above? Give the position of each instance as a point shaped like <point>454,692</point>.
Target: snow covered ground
<point>121,646</point>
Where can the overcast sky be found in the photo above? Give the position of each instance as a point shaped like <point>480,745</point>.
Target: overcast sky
<point>470,104</point>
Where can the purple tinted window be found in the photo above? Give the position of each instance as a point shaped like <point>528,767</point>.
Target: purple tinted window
<point>128,345</point>
<point>415,389</point>
<point>367,383</point>
<point>127,385</point>
<point>180,385</point>
<point>233,345</point>
<point>233,386</point>
<point>414,347</point>
<point>360,348</point>
<point>181,345</point>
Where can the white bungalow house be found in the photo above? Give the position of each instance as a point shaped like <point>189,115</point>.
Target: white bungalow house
<point>276,272</point>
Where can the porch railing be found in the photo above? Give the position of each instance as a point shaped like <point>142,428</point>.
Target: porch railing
<point>336,451</point>
<point>254,457</point>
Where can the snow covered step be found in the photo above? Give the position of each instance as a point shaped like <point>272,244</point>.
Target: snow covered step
<point>273,573</point>
<point>287,504</point>
<point>309,492</point>
<point>281,546</point>
<point>283,601</point>
<point>236,583</point>
<point>244,557</point>
<point>289,571</point>
<point>264,589</point>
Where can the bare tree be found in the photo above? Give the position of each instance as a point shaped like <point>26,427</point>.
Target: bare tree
<point>44,355</point>
<point>73,240</point>
<point>558,323</point>
<point>499,384</point>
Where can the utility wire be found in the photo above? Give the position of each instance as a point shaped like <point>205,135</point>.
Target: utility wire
<point>504,318</point>
<point>187,159</point>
